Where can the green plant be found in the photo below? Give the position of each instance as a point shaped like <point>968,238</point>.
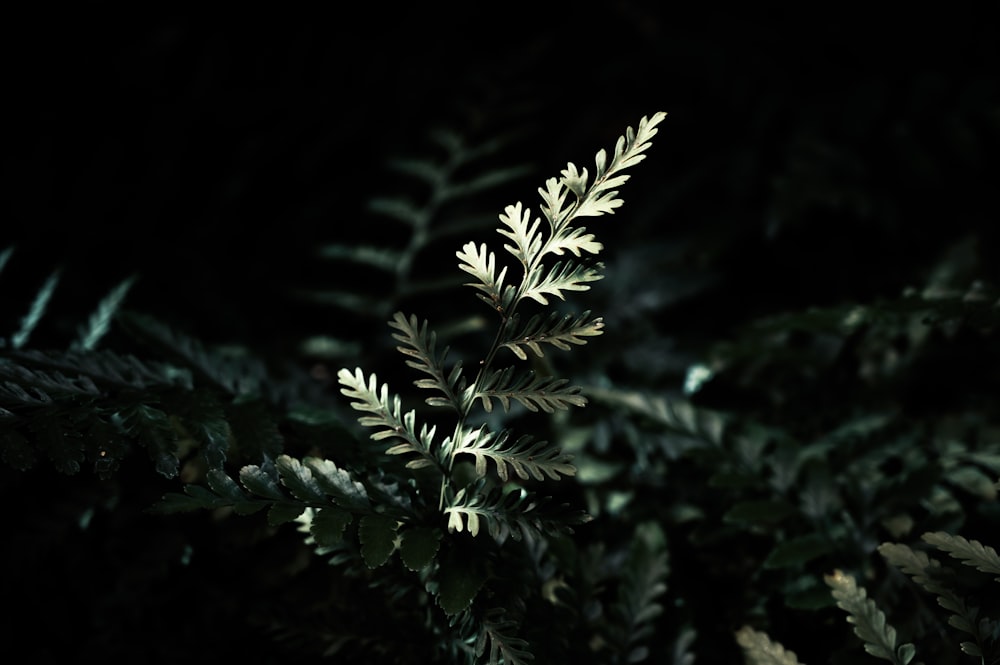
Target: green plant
<point>457,532</point>
<point>481,478</point>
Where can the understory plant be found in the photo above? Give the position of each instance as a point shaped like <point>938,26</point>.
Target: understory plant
<point>443,516</point>
<point>724,496</point>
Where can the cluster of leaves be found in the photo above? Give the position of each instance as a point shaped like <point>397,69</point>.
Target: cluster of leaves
<point>807,443</point>
<point>424,492</point>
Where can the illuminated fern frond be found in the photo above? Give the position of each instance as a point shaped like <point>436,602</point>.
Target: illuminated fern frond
<point>522,232</point>
<point>759,649</point>
<point>481,264</point>
<point>285,489</point>
<point>563,276</point>
<point>526,457</point>
<point>419,346</point>
<point>556,329</point>
<point>600,198</point>
<point>514,513</point>
<point>533,392</point>
<point>868,620</point>
<point>970,552</point>
<point>387,418</point>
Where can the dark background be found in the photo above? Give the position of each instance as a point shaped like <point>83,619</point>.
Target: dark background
<point>211,154</point>
<point>808,158</point>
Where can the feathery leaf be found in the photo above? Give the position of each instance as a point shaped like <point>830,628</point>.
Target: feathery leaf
<point>419,346</point>
<point>525,456</point>
<point>556,329</point>
<point>970,552</point>
<point>869,621</point>
<point>387,417</point>
<point>759,649</point>
<point>533,392</point>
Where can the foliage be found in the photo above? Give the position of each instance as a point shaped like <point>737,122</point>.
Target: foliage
<point>770,418</point>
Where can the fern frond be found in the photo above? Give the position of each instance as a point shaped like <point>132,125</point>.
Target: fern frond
<point>533,392</point>
<point>932,577</point>
<point>481,264</point>
<point>514,513</point>
<point>37,310</point>
<point>539,285</point>
<point>419,345</point>
<point>236,375</point>
<point>638,604</point>
<point>503,646</point>
<point>600,198</point>
<point>100,321</point>
<point>869,621</point>
<point>526,457</point>
<point>759,649</point>
<point>377,257</point>
<point>107,369</point>
<point>526,236</point>
<point>285,489</point>
<point>24,386</point>
<point>155,430</point>
<point>388,419</point>
<point>556,329</point>
<point>970,552</point>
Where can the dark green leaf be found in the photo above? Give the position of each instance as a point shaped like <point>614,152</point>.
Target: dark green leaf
<point>418,547</point>
<point>797,551</point>
<point>328,526</point>
<point>299,480</point>
<point>759,512</point>
<point>261,483</point>
<point>281,513</point>
<point>377,534</point>
<point>458,583</point>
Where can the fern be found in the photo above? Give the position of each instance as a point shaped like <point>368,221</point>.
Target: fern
<point>940,581</point>
<point>503,647</point>
<point>556,329</point>
<point>970,552</point>
<point>456,169</point>
<point>632,618</point>
<point>869,621</point>
<point>35,313</point>
<point>100,321</point>
<point>507,385</point>
<point>760,649</point>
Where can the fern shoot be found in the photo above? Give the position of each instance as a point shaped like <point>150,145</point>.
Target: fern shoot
<point>547,251</point>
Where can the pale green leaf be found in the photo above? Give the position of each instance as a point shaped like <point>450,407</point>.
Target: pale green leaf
<point>760,649</point>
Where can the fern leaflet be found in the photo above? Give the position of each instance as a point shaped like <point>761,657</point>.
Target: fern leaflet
<point>563,276</point>
<point>526,457</point>
<point>970,552</point>
<point>556,329</point>
<point>532,391</point>
<point>388,418</point>
<point>759,649</point>
<point>419,345</point>
<point>869,621</point>
<point>512,513</point>
<point>504,647</point>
